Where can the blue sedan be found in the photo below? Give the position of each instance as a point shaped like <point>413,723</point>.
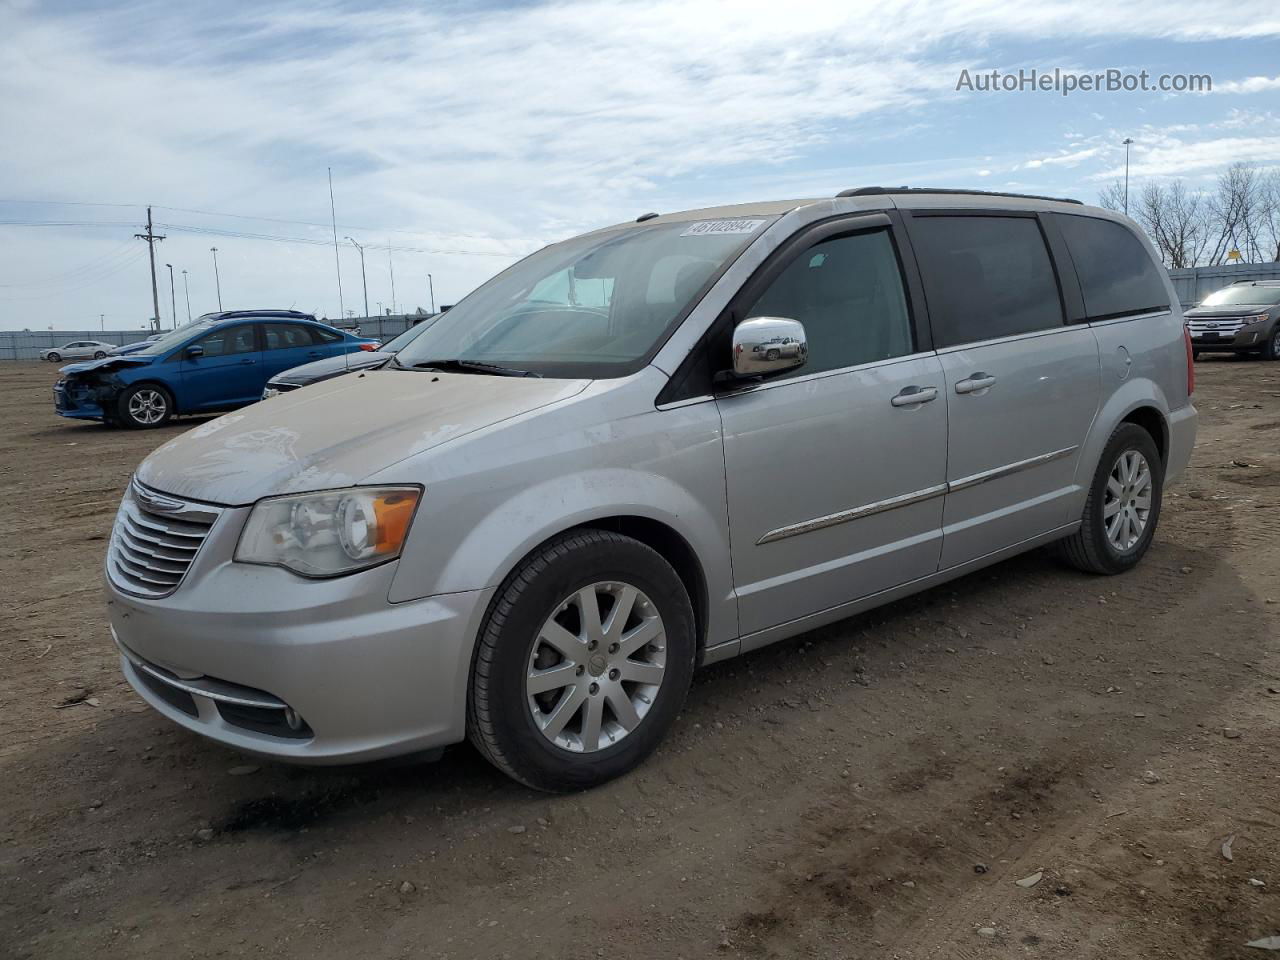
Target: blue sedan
<point>217,363</point>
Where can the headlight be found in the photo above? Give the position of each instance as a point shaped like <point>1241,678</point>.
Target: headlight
<point>331,533</point>
<point>1257,318</point>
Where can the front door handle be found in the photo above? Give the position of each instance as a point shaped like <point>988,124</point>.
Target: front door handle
<point>248,361</point>
<point>914,396</point>
<point>979,381</point>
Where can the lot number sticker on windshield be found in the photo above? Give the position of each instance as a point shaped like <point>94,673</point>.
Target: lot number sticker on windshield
<point>707,228</point>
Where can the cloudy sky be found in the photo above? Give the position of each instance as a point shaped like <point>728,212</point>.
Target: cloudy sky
<point>463,135</point>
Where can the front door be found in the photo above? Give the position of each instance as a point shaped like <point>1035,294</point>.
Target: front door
<point>226,374</point>
<point>835,471</point>
<point>1022,385</point>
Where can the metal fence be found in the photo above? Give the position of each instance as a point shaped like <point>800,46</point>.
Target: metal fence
<point>1193,284</point>
<point>27,344</point>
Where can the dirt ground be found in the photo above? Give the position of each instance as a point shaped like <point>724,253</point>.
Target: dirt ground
<point>871,789</point>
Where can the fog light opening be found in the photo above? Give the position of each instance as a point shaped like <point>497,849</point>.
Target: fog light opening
<point>292,718</point>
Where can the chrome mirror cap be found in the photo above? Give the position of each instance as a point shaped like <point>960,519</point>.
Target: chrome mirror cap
<point>766,345</point>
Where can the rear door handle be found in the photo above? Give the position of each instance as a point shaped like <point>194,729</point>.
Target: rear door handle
<point>979,381</point>
<point>914,396</point>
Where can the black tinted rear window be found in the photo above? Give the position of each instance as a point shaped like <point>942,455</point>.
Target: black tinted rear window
<point>1117,276</point>
<point>985,277</point>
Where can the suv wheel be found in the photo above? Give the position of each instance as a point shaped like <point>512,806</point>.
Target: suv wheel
<point>1123,508</point>
<point>583,662</point>
<point>1272,350</point>
<point>144,406</point>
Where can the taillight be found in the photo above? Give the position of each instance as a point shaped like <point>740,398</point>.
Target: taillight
<point>1191,363</point>
<point>369,346</point>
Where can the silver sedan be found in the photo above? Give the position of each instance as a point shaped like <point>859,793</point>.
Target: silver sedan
<point>77,350</point>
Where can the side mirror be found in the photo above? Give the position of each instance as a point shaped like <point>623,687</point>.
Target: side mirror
<point>768,345</point>
<point>195,351</point>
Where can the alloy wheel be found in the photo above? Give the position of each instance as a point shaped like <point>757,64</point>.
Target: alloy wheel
<point>1127,505</point>
<point>596,667</point>
<point>148,407</point>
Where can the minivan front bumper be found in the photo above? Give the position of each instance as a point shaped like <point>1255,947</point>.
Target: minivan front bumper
<point>321,672</point>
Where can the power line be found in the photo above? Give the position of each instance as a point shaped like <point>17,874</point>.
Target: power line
<point>85,282</point>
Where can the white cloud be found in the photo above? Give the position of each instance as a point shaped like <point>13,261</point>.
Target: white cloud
<point>1249,85</point>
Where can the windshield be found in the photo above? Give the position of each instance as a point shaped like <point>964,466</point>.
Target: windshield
<point>173,338</point>
<point>399,342</point>
<point>1242,293</point>
<point>595,306</point>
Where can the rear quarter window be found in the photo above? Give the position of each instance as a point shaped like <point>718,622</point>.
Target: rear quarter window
<point>1117,276</point>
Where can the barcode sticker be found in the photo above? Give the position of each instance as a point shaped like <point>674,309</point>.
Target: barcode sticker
<point>707,228</point>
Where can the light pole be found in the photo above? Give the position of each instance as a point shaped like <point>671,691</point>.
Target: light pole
<point>363,281</point>
<point>1126,141</point>
<point>187,292</point>
<point>102,322</point>
<point>216,279</point>
<point>431,287</point>
<point>173,297</point>
<point>379,308</point>
<point>392,267</point>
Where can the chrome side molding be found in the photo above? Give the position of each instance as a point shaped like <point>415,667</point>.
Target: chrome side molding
<point>907,499</point>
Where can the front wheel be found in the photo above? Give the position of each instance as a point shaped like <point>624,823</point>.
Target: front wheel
<point>1272,350</point>
<point>1123,508</point>
<point>144,406</point>
<point>54,357</point>
<point>583,662</point>
<point>98,355</point>
<point>1195,355</point>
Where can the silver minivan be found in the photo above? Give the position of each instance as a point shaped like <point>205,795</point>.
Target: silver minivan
<point>645,449</point>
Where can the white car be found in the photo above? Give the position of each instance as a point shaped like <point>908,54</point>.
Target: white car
<point>78,350</point>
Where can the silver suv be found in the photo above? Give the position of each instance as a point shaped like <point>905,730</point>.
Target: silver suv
<point>600,471</point>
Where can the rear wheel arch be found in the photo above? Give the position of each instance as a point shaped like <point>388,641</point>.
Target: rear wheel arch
<point>1150,419</point>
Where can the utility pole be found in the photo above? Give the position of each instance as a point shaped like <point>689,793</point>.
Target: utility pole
<point>187,291</point>
<point>393,277</point>
<point>217,281</point>
<point>1126,141</point>
<point>173,297</point>
<point>432,288</point>
<point>151,237</point>
<point>363,281</point>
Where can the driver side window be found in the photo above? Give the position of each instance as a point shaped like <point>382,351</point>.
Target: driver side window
<point>849,294</point>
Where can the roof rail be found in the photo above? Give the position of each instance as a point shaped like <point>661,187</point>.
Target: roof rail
<point>874,191</point>
<point>229,314</point>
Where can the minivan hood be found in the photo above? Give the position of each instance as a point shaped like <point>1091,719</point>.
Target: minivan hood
<point>336,433</point>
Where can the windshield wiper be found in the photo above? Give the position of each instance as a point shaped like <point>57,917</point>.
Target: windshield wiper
<point>471,366</point>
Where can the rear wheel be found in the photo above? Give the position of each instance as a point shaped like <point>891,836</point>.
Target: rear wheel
<point>584,661</point>
<point>1272,350</point>
<point>1123,508</point>
<point>144,406</point>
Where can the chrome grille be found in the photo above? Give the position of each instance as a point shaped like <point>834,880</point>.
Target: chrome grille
<point>1223,326</point>
<point>155,540</point>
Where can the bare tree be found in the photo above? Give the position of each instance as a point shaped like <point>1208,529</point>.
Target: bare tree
<point>1269,214</point>
<point>1112,197</point>
<point>1237,213</point>
<point>1176,220</point>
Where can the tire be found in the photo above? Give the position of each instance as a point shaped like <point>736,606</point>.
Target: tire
<point>99,355</point>
<point>54,358</point>
<point>1272,350</point>
<point>1098,548</point>
<point>1195,355</point>
<point>547,591</point>
<point>144,406</point>
<point>772,355</point>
